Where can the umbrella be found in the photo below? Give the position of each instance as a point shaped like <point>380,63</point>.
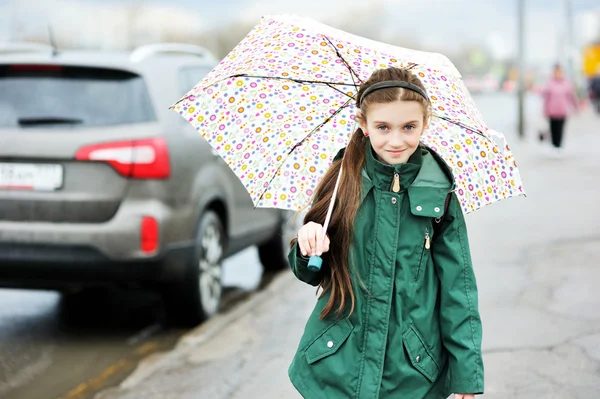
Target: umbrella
<point>279,107</point>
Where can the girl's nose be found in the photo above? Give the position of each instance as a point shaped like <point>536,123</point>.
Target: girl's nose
<point>396,140</point>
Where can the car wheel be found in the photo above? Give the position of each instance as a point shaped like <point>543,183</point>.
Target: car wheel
<point>273,253</point>
<point>198,295</point>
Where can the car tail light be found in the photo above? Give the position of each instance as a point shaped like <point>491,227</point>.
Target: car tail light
<point>149,235</point>
<point>138,159</point>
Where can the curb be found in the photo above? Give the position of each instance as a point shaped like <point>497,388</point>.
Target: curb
<point>204,332</point>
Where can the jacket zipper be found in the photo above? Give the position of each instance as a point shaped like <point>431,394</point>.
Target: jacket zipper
<point>396,183</point>
<point>426,246</point>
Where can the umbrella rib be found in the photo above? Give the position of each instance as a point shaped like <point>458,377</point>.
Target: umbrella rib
<point>330,84</point>
<point>298,144</point>
<point>461,125</point>
<point>352,73</point>
<point>290,79</point>
<point>346,94</point>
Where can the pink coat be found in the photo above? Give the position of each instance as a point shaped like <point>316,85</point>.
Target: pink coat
<point>559,99</point>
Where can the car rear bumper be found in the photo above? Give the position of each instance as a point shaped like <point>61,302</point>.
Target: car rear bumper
<point>118,239</point>
<point>42,255</point>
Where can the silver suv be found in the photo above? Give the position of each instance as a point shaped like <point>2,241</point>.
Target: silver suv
<point>101,183</point>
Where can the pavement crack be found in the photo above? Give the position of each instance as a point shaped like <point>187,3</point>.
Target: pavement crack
<point>554,348</point>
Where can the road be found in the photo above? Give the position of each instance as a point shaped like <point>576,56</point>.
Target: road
<point>71,357</point>
<point>39,342</point>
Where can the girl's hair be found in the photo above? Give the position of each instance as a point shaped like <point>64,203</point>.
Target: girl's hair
<point>337,278</point>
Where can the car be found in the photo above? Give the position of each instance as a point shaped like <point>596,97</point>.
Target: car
<point>101,183</point>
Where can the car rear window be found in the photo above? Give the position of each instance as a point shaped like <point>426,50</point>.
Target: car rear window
<point>50,95</point>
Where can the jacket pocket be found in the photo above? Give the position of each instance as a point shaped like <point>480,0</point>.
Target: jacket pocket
<point>328,342</point>
<point>424,253</point>
<point>420,357</point>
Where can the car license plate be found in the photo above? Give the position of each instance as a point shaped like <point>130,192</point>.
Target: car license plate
<point>31,176</point>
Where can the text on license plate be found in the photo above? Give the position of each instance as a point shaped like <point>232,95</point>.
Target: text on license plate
<point>31,176</point>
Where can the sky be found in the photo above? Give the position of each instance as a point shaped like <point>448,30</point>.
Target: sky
<point>433,24</point>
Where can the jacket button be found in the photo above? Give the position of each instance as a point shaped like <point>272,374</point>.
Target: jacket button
<point>418,359</point>
<point>330,344</point>
<point>436,209</point>
<point>419,208</point>
<point>394,201</point>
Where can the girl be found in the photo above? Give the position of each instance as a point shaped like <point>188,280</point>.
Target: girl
<point>397,316</point>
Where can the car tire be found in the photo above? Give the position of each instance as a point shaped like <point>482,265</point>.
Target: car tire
<point>273,253</point>
<point>197,297</point>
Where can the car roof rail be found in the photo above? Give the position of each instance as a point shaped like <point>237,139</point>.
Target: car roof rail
<point>143,52</point>
<point>26,47</point>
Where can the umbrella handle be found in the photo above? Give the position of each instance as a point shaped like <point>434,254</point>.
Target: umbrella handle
<point>315,262</point>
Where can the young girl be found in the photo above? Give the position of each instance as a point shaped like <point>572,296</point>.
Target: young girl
<point>397,316</point>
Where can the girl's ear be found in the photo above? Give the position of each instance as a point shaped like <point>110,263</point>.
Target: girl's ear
<point>361,121</point>
<point>427,120</point>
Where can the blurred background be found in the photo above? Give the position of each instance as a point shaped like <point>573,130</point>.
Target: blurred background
<point>480,37</point>
<point>506,52</point>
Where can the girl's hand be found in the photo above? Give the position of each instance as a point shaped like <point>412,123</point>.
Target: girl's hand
<point>311,241</point>
<point>464,396</point>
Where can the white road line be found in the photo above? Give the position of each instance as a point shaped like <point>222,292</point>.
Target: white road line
<point>144,334</point>
<point>28,373</point>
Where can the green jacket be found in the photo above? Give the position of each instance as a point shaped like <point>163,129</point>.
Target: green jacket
<point>415,332</point>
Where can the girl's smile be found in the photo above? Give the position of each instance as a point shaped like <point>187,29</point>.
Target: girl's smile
<point>396,153</point>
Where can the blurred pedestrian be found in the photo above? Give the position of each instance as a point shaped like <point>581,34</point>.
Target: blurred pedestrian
<point>595,91</point>
<point>397,316</point>
<point>559,101</point>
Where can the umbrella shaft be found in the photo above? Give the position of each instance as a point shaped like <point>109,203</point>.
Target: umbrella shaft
<point>330,210</point>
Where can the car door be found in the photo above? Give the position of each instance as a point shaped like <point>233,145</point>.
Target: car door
<point>245,219</point>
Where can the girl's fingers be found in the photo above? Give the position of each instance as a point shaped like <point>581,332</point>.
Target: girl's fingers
<point>302,243</point>
<point>303,240</point>
<point>311,240</point>
<point>319,238</point>
<point>312,243</point>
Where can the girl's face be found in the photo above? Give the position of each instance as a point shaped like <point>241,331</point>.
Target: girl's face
<point>394,128</point>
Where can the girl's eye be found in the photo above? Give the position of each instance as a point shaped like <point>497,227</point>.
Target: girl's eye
<point>410,127</point>
<point>382,127</point>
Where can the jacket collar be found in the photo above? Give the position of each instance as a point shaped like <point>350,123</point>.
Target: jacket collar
<point>428,191</point>
<point>382,175</point>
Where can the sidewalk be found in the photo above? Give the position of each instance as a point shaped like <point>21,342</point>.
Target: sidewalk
<point>537,261</point>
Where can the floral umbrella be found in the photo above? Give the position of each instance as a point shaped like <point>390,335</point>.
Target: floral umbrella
<point>279,107</point>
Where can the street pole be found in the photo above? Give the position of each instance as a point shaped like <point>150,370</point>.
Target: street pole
<point>521,68</point>
<point>569,44</point>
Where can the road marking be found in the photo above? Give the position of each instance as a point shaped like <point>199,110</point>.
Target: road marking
<point>97,382</point>
<point>28,373</point>
<point>147,348</point>
<point>94,384</point>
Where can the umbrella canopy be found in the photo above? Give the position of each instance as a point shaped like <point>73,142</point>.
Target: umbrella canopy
<point>279,107</point>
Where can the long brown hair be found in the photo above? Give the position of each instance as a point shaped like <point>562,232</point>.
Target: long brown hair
<point>337,277</point>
